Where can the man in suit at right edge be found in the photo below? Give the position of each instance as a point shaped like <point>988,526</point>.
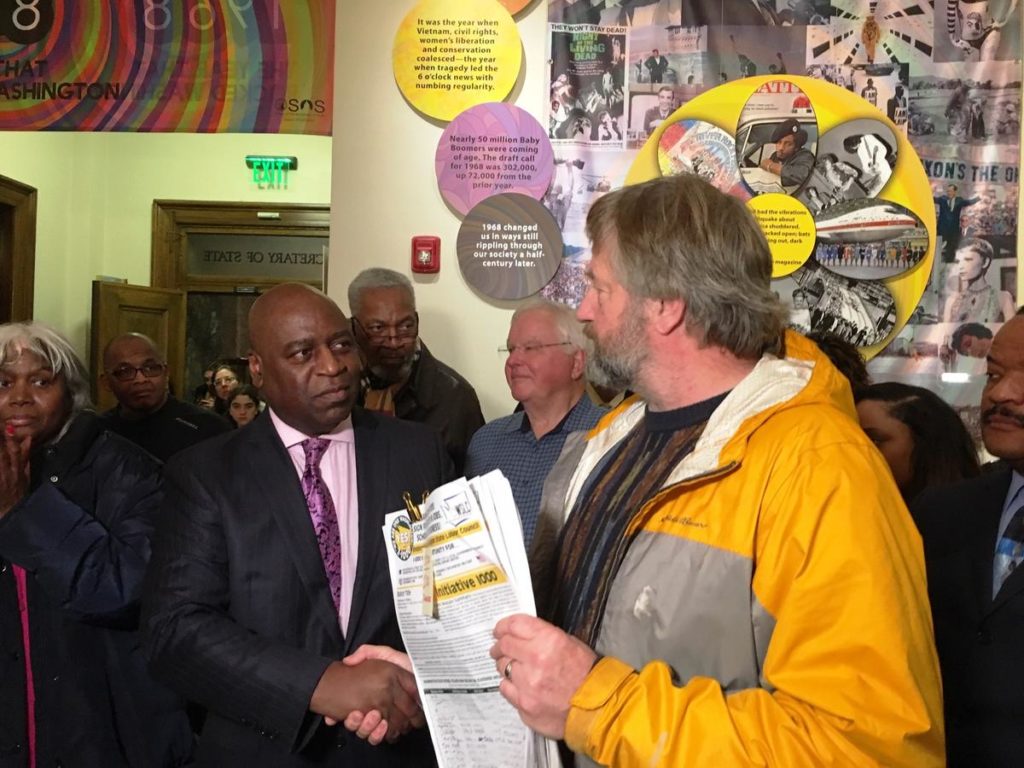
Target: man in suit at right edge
<point>271,567</point>
<point>973,539</point>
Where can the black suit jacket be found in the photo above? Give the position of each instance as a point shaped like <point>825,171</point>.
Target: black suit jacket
<point>980,639</point>
<point>238,613</point>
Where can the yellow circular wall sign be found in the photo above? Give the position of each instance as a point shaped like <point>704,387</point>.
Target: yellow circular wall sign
<point>450,55</point>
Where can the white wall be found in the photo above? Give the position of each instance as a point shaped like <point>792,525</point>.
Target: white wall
<point>384,190</point>
<point>96,191</point>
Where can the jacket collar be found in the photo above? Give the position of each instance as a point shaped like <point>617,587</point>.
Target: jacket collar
<point>58,457</point>
<point>419,390</point>
<point>804,375</point>
<point>992,495</point>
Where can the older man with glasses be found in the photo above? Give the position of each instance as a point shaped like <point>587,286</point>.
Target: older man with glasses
<point>135,372</point>
<point>400,376</point>
<point>545,361</point>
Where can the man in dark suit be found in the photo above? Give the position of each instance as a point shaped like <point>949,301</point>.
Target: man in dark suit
<point>973,542</point>
<point>657,66</point>
<point>949,209</point>
<point>272,565</point>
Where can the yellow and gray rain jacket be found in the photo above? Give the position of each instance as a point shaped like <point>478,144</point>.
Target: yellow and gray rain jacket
<point>772,608</point>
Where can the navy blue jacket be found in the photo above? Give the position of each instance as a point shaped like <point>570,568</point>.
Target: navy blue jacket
<point>82,534</point>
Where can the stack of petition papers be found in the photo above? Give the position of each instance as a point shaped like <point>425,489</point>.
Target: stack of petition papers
<point>455,572</point>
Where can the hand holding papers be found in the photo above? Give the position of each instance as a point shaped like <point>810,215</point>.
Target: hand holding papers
<point>470,538</point>
<point>543,667</point>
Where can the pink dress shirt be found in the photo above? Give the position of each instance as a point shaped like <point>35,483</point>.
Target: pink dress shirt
<point>338,468</point>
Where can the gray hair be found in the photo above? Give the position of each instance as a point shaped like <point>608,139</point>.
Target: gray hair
<point>678,237</point>
<point>377,277</point>
<point>54,350</point>
<point>564,318</point>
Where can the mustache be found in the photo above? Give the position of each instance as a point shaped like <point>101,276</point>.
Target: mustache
<point>1006,413</point>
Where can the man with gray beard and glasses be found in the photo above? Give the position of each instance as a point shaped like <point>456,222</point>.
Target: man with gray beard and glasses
<point>400,376</point>
<point>737,580</point>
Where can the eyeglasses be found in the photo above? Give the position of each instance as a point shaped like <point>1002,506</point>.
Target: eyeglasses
<point>128,372</point>
<point>220,381</point>
<point>378,332</point>
<point>530,349</point>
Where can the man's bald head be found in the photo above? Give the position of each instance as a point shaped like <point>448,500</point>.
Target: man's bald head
<point>139,341</point>
<point>304,358</point>
<point>280,301</point>
<point>135,371</point>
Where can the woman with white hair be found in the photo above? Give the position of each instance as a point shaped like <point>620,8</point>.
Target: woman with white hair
<point>77,509</point>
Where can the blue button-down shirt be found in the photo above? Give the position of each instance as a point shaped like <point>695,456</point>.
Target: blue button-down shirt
<point>509,444</point>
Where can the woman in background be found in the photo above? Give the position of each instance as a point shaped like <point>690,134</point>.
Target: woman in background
<point>975,299</point>
<point>921,437</point>
<point>974,29</point>
<point>78,506</point>
<point>244,405</point>
<point>607,128</point>
<point>202,395</point>
<point>225,381</point>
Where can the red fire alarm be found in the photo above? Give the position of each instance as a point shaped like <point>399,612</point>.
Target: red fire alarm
<point>426,253</point>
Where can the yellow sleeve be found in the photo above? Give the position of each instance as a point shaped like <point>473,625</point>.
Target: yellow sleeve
<point>850,676</point>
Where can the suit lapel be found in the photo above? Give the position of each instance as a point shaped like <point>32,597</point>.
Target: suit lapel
<point>372,463</point>
<point>990,503</point>
<point>278,486</point>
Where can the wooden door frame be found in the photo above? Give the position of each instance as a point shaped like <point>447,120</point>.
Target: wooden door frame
<point>22,200</point>
<point>173,220</point>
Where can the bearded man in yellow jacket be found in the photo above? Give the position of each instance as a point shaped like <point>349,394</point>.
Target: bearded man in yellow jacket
<point>736,581</point>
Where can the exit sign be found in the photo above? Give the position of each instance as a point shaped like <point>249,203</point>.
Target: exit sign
<point>271,170</point>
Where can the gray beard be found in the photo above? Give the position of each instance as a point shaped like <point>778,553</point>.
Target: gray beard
<point>612,373</point>
<point>387,374</point>
<point>615,363</point>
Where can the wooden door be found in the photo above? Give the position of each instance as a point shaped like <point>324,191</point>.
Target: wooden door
<point>156,312</point>
<point>190,236</point>
<point>17,249</point>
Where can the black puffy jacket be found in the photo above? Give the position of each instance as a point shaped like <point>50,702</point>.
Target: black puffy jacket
<point>82,535</point>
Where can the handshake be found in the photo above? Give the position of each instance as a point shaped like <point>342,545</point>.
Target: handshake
<point>373,692</point>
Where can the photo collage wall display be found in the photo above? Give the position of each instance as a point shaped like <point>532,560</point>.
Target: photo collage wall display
<point>944,75</point>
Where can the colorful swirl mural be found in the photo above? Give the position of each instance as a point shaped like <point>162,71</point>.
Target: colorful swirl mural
<point>203,66</point>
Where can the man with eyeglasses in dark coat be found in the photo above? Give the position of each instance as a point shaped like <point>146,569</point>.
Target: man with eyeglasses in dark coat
<point>400,376</point>
<point>135,372</point>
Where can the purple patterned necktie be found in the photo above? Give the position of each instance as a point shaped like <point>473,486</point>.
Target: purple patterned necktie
<point>322,513</point>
